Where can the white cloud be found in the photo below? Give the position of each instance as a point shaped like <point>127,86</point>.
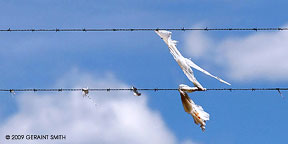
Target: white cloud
<point>118,117</point>
<point>188,142</point>
<point>197,44</point>
<point>260,55</point>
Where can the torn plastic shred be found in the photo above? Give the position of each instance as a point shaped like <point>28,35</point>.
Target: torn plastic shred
<point>197,112</point>
<point>85,91</point>
<point>183,62</point>
<point>135,91</point>
<point>12,92</point>
<point>187,88</point>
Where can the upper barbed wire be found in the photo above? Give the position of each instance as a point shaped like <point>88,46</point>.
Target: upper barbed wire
<point>140,29</point>
<point>140,89</point>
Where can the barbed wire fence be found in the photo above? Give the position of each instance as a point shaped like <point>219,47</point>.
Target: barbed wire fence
<point>140,89</point>
<point>141,29</point>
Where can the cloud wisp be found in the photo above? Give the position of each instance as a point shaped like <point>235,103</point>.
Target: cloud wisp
<point>257,56</point>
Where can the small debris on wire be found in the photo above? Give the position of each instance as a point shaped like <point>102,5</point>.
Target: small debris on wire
<point>85,91</point>
<point>12,92</point>
<point>280,93</point>
<point>135,91</point>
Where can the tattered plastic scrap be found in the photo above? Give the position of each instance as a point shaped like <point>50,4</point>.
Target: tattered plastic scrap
<point>197,112</point>
<point>135,91</point>
<point>187,88</point>
<point>12,92</point>
<point>85,91</point>
<point>183,62</point>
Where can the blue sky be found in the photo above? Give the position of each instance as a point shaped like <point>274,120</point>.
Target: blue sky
<point>142,59</point>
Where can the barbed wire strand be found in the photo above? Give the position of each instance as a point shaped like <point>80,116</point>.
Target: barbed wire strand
<point>140,89</point>
<point>140,29</point>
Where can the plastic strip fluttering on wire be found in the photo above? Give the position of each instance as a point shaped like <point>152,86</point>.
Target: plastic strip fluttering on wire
<point>135,91</point>
<point>183,62</point>
<point>196,111</point>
